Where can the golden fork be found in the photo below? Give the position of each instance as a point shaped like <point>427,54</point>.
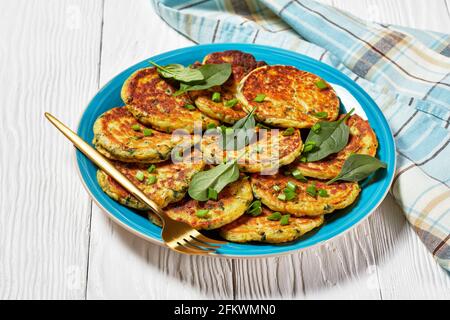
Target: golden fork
<point>178,236</point>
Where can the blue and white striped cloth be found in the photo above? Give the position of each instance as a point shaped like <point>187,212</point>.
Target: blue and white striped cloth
<point>406,71</point>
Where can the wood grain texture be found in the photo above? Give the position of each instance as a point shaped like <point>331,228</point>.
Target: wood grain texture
<point>49,53</point>
<point>140,269</point>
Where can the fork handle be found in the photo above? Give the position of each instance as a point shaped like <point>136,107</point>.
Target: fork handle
<point>105,165</point>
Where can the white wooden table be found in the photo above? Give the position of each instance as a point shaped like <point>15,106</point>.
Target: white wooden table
<point>55,243</point>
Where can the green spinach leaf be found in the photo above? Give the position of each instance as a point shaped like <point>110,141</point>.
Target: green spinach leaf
<point>216,178</point>
<point>179,72</point>
<point>332,138</point>
<point>358,167</point>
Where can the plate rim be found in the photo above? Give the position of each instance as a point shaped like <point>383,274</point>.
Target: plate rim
<point>227,255</point>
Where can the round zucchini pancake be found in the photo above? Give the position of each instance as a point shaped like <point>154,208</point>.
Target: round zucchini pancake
<point>362,140</point>
<point>119,136</point>
<point>248,228</point>
<point>232,202</point>
<point>150,99</point>
<point>292,98</point>
<point>271,150</point>
<point>167,183</point>
<point>269,187</point>
<point>228,109</point>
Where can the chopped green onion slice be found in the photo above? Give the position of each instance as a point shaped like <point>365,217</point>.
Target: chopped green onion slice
<point>274,216</point>
<point>316,128</point>
<point>136,127</point>
<point>291,186</point>
<point>288,132</point>
<point>151,180</point>
<point>321,115</point>
<point>284,220</point>
<point>151,168</point>
<point>299,176</point>
<point>216,97</point>
<point>147,132</point>
<point>276,188</point>
<point>229,131</point>
<point>260,97</point>
<point>255,208</point>
<point>210,126</point>
<point>139,175</point>
<point>311,190</point>
<point>202,213</point>
<point>282,197</point>
<point>321,85</point>
<point>231,103</point>
<point>323,193</point>
<point>212,194</point>
<point>189,107</point>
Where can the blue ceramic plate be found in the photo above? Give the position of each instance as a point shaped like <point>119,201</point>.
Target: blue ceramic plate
<point>372,193</point>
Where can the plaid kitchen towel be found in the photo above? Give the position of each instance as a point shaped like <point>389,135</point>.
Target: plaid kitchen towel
<point>406,71</point>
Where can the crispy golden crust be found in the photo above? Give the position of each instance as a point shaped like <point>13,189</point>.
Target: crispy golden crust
<point>248,228</point>
<point>271,150</point>
<point>340,195</point>
<point>150,99</point>
<point>232,202</point>
<point>241,63</point>
<point>115,138</point>
<point>362,140</point>
<point>292,97</point>
<point>172,182</point>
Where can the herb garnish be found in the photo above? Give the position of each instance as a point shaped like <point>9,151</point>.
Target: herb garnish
<point>299,176</point>
<point>151,180</point>
<point>311,190</point>
<point>147,132</point>
<point>259,97</point>
<point>332,138</point>
<point>213,74</point>
<point>139,175</point>
<point>202,213</point>
<point>179,72</point>
<point>255,208</point>
<point>284,220</point>
<point>274,216</point>
<point>215,97</point>
<point>201,78</point>
<point>358,167</point>
<point>321,114</point>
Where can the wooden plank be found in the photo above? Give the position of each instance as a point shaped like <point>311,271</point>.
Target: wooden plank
<point>122,265</point>
<point>49,53</point>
